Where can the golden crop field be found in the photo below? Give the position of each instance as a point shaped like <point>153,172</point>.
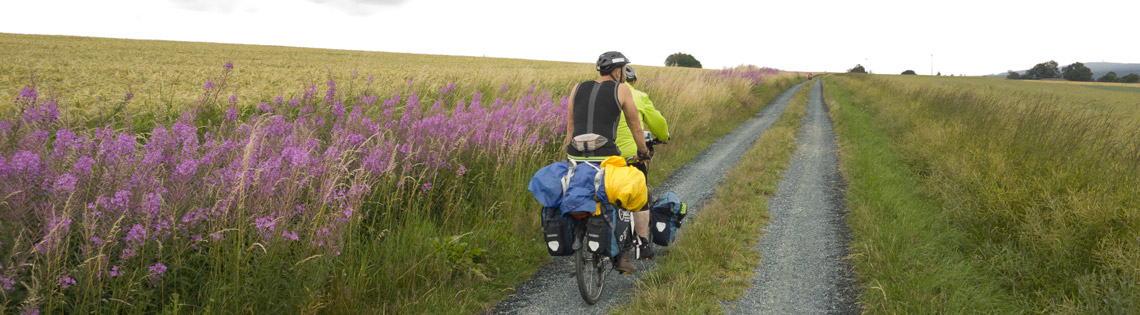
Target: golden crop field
<point>96,71</point>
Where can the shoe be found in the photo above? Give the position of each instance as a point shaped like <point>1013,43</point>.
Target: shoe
<point>644,250</point>
<point>623,265</point>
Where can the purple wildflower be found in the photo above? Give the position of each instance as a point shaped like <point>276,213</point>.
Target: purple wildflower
<point>462,170</point>
<point>265,107</point>
<point>65,182</point>
<point>504,88</point>
<point>232,114</point>
<point>128,96</point>
<point>7,284</point>
<point>25,161</point>
<point>229,65</point>
<point>114,272</point>
<point>290,235</point>
<point>157,269</point>
<point>209,85</point>
<point>427,186</point>
<point>278,100</point>
<point>66,282</point>
<point>136,236</point>
<point>233,99</point>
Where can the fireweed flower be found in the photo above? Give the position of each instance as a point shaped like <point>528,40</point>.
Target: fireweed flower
<point>65,282</point>
<point>209,85</point>
<point>157,270</point>
<point>232,114</point>
<point>128,96</point>
<point>65,183</point>
<point>229,65</point>
<point>83,165</point>
<point>7,284</point>
<point>114,272</point>
<point>292,236</point>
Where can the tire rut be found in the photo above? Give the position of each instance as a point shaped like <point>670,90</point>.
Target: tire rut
<point>552,289</point>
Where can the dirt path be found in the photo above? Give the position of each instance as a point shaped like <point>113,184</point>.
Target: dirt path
<point>802,270</point>
<point>552,290</point>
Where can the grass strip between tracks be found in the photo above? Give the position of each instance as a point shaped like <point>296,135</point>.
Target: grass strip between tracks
<point>903,246</point>
<point>712,259</point>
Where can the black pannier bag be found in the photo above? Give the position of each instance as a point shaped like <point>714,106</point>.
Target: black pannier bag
<point>665,218</point>
<point>558,230</point>
<point>608,233</point>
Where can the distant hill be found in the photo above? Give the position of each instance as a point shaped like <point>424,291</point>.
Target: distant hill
<point>1098,69</point>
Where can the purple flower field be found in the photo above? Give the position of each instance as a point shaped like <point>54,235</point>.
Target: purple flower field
<point>86,205</point>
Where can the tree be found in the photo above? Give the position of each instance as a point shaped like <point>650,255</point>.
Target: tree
<point>857,69</point>
<point>1108,77</point>
<point>682,60</point>
<point>1077,72</point>
<point>1130,78</point>
<point>940,73</point>
<point>910,72</point>
<point>1044,70</point>
<point>1013,75</point>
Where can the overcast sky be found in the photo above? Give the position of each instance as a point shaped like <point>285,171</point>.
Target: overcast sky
<point>965,36</point>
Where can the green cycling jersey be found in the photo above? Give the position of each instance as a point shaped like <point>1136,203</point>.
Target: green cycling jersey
<point>651,120</point>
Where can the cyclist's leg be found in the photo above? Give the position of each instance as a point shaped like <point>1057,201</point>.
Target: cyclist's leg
<point>641,218</point>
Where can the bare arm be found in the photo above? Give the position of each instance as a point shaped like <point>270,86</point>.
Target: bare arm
<point>629,109</point>
<point>570,115</point>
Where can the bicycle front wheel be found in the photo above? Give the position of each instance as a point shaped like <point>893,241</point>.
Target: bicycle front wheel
<point>591,273</point>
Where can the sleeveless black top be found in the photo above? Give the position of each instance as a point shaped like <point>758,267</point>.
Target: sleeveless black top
<point>597,110</point>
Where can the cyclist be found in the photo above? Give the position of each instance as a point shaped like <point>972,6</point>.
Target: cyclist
<point>650,119</point>
<point>595,108</point>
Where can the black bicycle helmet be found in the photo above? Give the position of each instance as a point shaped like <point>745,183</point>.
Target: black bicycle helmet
<point>630,75</point>
<point>609,60</point>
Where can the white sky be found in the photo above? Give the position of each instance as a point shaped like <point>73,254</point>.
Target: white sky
<point>965,36</point>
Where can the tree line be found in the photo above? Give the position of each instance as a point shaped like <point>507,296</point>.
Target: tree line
<point>1073,72</point>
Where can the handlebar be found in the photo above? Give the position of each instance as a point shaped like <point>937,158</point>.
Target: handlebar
<point>650,141</point>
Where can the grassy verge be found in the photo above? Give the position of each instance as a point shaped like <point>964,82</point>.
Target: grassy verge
<point>986,200</point>
<point>902,242</point>
<point>697,273</point>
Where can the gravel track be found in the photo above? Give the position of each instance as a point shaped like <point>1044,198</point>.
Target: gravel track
<point>552,289</point>
<point>802,269</point>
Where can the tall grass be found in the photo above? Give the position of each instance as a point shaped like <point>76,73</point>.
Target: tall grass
<point>1043,189</point>
<point>344,194</point>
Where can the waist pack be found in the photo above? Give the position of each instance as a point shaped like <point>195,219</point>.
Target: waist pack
<point>608,233</point>
<point>665,218</point>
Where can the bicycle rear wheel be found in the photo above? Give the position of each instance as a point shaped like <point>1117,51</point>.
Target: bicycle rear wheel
<point>591,272</point>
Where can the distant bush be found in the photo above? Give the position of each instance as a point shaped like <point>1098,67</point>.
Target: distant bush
<point>1077,72</point>
<point>1013,75</point>
<point>1130,78</point>
<point>1108,77</point>
<point>682,60</point>
<point>910,72</point>
<point>857,69</point>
